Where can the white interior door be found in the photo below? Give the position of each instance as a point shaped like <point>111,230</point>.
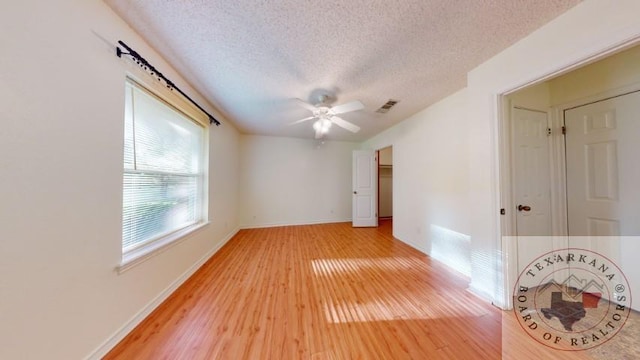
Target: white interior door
<point>603,176</point>
<point>365,188</point>
<point>532,188</point>
<point>603,180</point>
<point>531,160</point>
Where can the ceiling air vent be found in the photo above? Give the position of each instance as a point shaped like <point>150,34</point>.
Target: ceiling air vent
<point>387,106</point>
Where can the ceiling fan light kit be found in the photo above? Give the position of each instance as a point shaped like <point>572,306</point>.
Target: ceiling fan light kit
<point>322,125</point>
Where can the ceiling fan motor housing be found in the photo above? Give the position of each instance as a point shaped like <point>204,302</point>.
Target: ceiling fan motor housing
<point>324,100</point>
<point>322,111</point>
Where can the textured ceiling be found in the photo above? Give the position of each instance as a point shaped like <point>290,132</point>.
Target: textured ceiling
<point>251,59</point>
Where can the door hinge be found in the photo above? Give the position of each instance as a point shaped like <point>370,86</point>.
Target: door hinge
<point>564,130</point>
<point>548,131</point>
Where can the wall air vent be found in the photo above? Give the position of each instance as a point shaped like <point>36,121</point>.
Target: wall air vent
<point>387,106</point>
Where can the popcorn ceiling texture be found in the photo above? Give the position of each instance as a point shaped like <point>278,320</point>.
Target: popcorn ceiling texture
<point>251,58</point>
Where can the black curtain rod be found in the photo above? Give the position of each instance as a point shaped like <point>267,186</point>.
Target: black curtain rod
<point>154,72</point>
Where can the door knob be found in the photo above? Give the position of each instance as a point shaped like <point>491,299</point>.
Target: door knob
<point>355,192</point>
<point>524,208</point>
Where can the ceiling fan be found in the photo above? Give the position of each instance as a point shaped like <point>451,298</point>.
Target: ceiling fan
<point>326,115</point>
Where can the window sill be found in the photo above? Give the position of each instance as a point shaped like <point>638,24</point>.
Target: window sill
<point>139,255</point>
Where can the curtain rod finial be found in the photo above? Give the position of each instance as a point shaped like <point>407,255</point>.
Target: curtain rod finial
<point>213,120</point>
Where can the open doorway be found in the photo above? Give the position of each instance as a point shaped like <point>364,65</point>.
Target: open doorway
<point>571,146</point>
<point>385,183</point>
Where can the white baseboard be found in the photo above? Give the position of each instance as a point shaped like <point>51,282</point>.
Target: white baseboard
<point>294,223</point>
<point>482,293</point>
<point>415,246</point>
<point>114,339</point>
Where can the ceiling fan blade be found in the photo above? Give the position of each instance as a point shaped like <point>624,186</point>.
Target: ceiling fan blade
<point>347,107</point>
<point>306,105</point>
<point>303,120</point>
<point>345,124</point>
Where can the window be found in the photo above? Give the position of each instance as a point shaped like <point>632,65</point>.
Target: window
<point>164,177</point>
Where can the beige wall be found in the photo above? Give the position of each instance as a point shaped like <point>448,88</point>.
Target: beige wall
<point>61,185</point>
<point>386,156</point>
<point>616,71</point>
<point>613,72</point>
<point>536,97</point>
<point>61,153</point>
<point>430,174</point>
<point>288,181</point>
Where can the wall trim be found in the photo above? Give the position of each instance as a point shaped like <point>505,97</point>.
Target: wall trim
<point>482,293</point>
<point>120,334</point>
<point>155,247</point>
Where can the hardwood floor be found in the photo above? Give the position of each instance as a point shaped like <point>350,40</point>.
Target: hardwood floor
<point>322,292</point>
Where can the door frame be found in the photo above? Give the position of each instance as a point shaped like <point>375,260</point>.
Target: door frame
<point>507,257</point>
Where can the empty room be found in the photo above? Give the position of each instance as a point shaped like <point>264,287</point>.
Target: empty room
<point>331,180</point>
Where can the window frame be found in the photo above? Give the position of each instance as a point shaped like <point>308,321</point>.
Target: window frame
<point>150,247</point>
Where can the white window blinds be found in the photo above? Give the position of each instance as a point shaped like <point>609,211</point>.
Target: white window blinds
<point>163,169</point>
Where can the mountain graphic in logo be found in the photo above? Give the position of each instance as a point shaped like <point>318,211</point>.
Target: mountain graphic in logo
<point>574,287</point>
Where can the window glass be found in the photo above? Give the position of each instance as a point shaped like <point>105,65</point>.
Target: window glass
<point>163,175</point>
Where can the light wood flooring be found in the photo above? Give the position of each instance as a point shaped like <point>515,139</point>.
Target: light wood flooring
<point>326,292</point>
